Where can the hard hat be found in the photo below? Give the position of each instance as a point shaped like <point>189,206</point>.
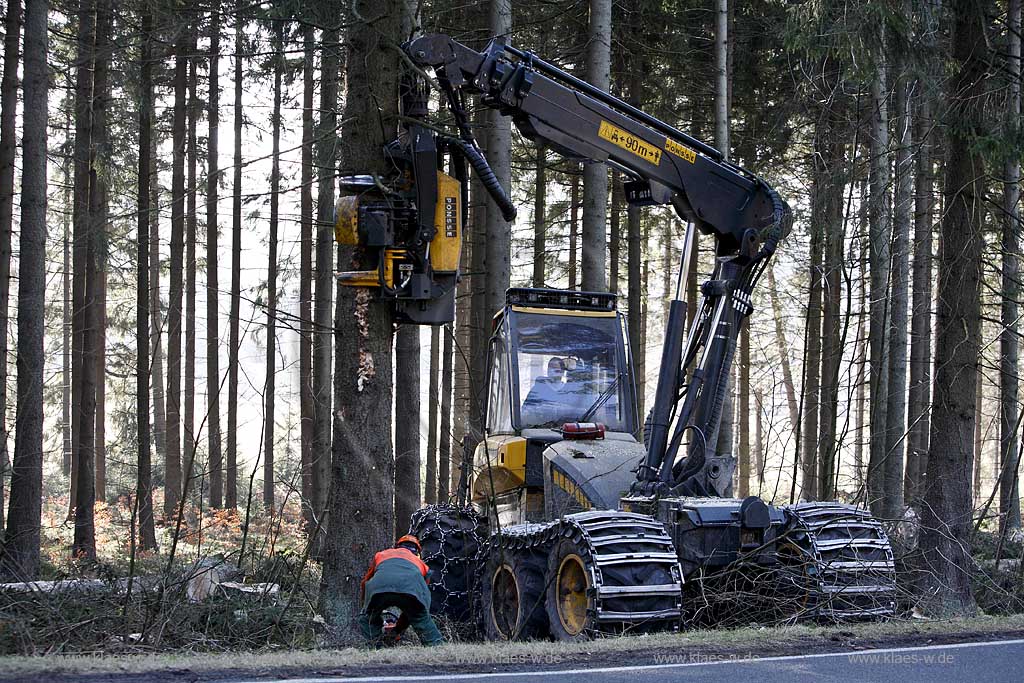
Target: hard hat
<point>409,538</point>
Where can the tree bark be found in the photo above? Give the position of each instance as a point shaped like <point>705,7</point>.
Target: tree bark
<point>326,162</point>
<point>944,543</point>
<point>191,442</point>
<point>445,441</point>
<point>896,404</point>
<point>833,163</point>
<point>144,488</point>
<point>8,151</point>
<point>921,320</point>
<point>20,559</point>
<point>172,460</point>
<point>86,45</point>
<point>430,485</point>
<point>498,250</point>
<point>1009,366</point>
<point>783,346</point>
<point>615,233</point>
<point>361,515</point>
<point>270,384</point>
<point>574,226</point>
<point>65,422</point>
<point>212,263</point>
<point>234,342</point>
<point>539,217</point>
<point>880,235</point>
<point>155,307</point>
<point>306,281</point>
<point>595,175</point>
<point>84,545</point>
<point>407,425</point>
<point>634,305</point>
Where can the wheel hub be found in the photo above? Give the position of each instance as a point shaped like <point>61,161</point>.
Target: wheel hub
<point>504,601</point>
<point>572,594</point>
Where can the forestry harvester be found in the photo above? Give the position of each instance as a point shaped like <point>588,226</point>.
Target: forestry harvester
<point>568,525</point>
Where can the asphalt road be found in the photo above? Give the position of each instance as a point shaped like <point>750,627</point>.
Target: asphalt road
<point>988,662</point>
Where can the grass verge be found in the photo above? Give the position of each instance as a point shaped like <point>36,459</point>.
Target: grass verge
<point>469,657</point>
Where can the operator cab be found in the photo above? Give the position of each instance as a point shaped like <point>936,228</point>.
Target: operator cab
<point>558,357</point>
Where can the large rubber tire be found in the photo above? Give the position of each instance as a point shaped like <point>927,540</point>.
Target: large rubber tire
<point>451,537</point>
<point>512,596</point>
<point>570,601</point>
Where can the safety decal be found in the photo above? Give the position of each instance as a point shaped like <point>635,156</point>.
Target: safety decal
<point>629,142</point>
<point>680,151</point>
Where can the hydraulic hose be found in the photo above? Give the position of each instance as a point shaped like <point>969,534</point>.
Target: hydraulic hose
<point>486,176</point>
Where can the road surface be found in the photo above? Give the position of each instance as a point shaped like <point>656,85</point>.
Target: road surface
<point>988,662</point>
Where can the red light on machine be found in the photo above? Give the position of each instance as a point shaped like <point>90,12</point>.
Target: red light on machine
<point>583,430</point>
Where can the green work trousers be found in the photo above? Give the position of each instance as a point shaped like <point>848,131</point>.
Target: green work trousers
<point>371,621</point>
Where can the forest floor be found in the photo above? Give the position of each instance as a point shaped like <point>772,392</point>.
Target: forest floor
<point>695,646</point>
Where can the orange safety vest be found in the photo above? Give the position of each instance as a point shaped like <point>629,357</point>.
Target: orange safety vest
<point>392,554</point>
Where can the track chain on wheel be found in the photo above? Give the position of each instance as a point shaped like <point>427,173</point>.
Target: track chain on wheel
<point>451,538</point>
<point>632,572</point>
<point>842,559</point>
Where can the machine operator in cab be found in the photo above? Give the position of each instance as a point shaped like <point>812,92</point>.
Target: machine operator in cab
<point>397,577</point>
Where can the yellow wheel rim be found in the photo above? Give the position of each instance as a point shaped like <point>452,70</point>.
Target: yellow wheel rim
<point>572,594</point>
<point>504,601</point>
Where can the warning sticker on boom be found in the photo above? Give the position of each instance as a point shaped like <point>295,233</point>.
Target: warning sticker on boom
<point>680,151</point>
<point>630,142</point>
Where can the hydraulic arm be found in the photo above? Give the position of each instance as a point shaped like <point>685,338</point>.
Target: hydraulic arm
<point>746,217</point>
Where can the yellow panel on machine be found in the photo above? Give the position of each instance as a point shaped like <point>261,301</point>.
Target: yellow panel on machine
<point>446,247</point>
<point>378,224</point>
<point>506,456</point>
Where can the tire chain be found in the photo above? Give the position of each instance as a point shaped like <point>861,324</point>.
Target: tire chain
<point>600,535</point>
<point>844,561</point>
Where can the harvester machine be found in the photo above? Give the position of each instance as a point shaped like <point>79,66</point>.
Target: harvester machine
<point>571,526</point>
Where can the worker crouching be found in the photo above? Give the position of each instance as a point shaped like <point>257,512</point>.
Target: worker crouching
<point>398,578</point>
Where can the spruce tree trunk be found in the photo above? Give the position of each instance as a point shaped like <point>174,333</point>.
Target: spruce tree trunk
<point>20,558</point>
<point>326,162</point>
<point>212,262</point>
<point>84,545</point>
<point>944,545</point>
<point>407,425</point>
<point>595,175</point>
<point>812,353</point>
<point>8,135</point>
<point>101,374</point>
<point>445,441</point>
<point>86,45</point>
<point>574,226</point>
<point>1009,366</point>
<point>361,516</point>
<point>172,459</point>
<point>615,233</point>
<point>834,176</point>
<point>270,383</point>
<point>144,488</point>
<point>430,485</point>
<point>921,319</point>
<point>306,280</point>
<point>781,340</point>
<point>498,249</point>
<point>231,445</point>
<point>634,305</point>
<point>896,404</point>
<point>65,422</point>
<point>189,413</point>
<point>539,217</point>
<point>155,307</point>
<point>880,235</point>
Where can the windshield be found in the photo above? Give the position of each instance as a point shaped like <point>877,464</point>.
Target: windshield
<point>571,368</point>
